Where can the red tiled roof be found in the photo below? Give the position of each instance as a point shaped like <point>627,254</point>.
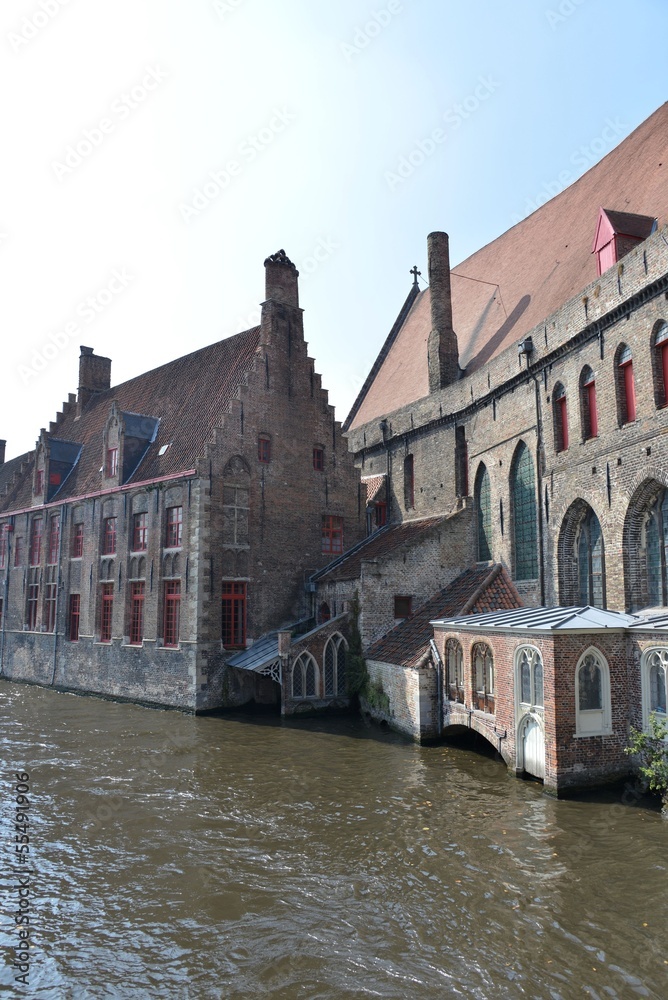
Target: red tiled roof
<point>511,285</point>
<point>377,546</point>
<point>374,484</point>
<point>189,397</point>
<point>479,589</point>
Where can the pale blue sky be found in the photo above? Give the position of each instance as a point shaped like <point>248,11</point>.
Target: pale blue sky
<point>316,106</point>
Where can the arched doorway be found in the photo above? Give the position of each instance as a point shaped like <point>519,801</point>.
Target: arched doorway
<point>531,742</point>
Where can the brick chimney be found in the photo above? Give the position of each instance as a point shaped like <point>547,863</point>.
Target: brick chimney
<point>442,349</point>
<point>94,376</point>
<point>3,445</point>
<point>281,276</point>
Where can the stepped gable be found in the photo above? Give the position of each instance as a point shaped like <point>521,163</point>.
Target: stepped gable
<point>376,546</point>
<point>9,473</point>
<point>511,285</point>
<point>476,590</point>
<point>189,396</point>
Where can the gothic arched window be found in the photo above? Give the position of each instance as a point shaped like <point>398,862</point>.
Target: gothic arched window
<point>592,695</point>
<point>654,682</point>
<point>525,531</point>
<point>530,678</point>
<point>591,573</point>
<point>454,662</point>
<point>334,662</point>
<point>482,661</point>
<point>305,677</point>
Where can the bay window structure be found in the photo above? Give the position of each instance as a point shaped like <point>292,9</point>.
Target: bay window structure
<point>234,615</point>
<point>592,695</point>
<point>482,661</point>
<point>332,535</point>
<point>524,514</point>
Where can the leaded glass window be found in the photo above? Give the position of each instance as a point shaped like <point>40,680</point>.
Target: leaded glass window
<point>530,665</point>
<point>297,680</point>
<point>329,668</point>
<point>483,677</point>
<point>334,663</point>
<point>656,550</point>
<point>525,532</point>
<point>658,668</point>
<point>310,679</point>
<point>484,508</point>
<point>591,588</point>
<point>590,685</point>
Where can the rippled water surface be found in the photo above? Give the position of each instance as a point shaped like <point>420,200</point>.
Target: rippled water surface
<point>236,857</point>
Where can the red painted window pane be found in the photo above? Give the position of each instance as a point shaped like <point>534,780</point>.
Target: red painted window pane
<point>18,551</point>
<point>50,607</point>
<point>137,595</point>
<point>234,615</point>
<point>3,546</point>
<point>318,459</point>
<point>77,540</point>
<point>140,533</point>
<point>54,479</point>
<point>36,541</point>
<point>172,612</point>
<point>109,537</point>
<point>264,448</point>
<point>629,392</point>
<point>381,513</point>
<point>39,482</point>
<point>54,541</point>
<point>106,613</point>
<point>174,534</point>
<point>112,461</point>
<point>33,599</point>
<point>332,535</point>
<point>562,416</point>
<point>75,617</point>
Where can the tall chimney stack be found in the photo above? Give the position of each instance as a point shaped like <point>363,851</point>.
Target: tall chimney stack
<point>442,348</point>
<point>281,276</point>
<point>94,376</point>
<point>3,445</point>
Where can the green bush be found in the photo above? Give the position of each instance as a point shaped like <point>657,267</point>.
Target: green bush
<point>651,749</point>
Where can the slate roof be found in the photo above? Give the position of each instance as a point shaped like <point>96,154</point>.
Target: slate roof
<point>509,286</point>
<point>481,588</point>
<point>376,546</point>
<point>585,619</point>
<point>188,396</point>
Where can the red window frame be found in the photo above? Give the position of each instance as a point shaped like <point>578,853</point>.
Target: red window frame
<point>74,617</point>
<point>591,423</point>
<point>33,602</point>
<point>39,482</point>
<point>54,541</point>
<point>172,613</point>
<point>3,546</point>
<point>332,534</point>
<point>381,513</point>
<point>264,448</point>
<point>36,530</point>
<point>137,598</point>
<point>77,540</point>
<point>140,533</point>
<point>174,529</point>
<point>109,537</point>
<point>629,389</point>
<point>234,615</point>
<point>106,611</point>
<point>50,598</point>
<point>319,459</point>
<point>18,551</point>
<point>111,462</point>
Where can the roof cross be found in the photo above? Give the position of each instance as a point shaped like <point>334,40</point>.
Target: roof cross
<point>414,271</point>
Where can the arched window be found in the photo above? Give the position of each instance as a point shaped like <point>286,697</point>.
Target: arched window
<point>409,482</point>
<point>523,498</point>
<point>654,683</point>
<point>590,563</point>
<point>324,613</point>
<point>560,417</point>
<point>334,662</point>
<point>660,363</point>
<point>655,549</point>
<point>530,678</point>
<point>483,499</point>
<point>592,695</point>
<point>454,662</point>
<point>626,389</point>
<point>304,677</point>
<point>483,677</point>
<point>588,404</point>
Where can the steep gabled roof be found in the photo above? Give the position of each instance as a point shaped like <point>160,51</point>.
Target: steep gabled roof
<point>189,397</point>
<point>479,589</point>
<point>511,285</point>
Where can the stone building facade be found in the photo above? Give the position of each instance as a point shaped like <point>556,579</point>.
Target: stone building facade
<point>162,525</point>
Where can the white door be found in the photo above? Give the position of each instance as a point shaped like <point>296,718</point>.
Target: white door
<point>534,749</point>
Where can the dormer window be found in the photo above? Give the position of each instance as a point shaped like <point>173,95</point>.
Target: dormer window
<point>617,233</point>
<point>111,469</point>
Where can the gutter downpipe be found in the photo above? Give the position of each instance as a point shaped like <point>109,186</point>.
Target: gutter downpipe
<point>58,588</point>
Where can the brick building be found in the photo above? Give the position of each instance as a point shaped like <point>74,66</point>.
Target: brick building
<point>517,415</point>
<point>163,525</point>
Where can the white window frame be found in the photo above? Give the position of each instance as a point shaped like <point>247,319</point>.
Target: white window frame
<point>645,684</point>
<point>594,721</point>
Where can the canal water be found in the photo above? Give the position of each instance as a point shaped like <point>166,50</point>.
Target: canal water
<point>239,857</point>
